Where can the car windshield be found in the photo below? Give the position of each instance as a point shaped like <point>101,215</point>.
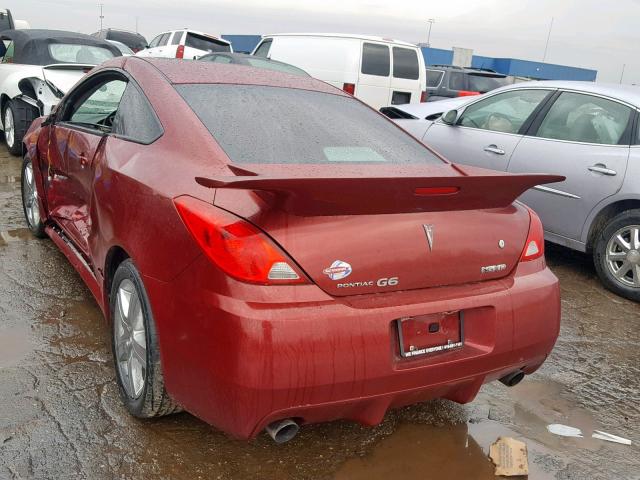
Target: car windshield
<point>485,83</point>
<point>201,42</point>
<point>260,124</point>
<point>74,53</point>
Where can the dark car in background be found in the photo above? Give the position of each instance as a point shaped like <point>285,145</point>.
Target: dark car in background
<point>133,40</point>
<point>447,81</point>
<point>252,61</point>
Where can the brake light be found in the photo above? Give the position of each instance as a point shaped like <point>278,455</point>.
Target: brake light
<point>467,93</point>
<point>180,51</point>
<point>423,96</point>
<point>427,191</point>
<point>238,248</point>
<point>534,246</point>
<point>350,88</point>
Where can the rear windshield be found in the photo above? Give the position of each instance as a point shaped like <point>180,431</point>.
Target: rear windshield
<point>73,53</point>
<point>485,83</point>
<point>207,44</point>
<point>275,66</point>
<point>259,124</point>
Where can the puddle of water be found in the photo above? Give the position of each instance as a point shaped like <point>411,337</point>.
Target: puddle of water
<point>15,235</point>
<point>15,344</point>
<point>427,451</point>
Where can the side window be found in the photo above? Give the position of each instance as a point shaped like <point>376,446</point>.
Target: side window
<point>405,63</point>
<point>456,81</point>
<point>177,36</point>
<point>434,77</point>
<point>8,55</point>
<point>263,49</point>
<point>136,120</point>
<point>578,117</point>
<point>505,112</point>
<point>98,106</point>
<point>375,59</point>
<point>164,39</point>
<point>155,41</point>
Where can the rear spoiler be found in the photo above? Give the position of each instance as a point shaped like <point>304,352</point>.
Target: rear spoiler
<point>346,195</point>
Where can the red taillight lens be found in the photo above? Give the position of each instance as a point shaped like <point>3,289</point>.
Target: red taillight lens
<point>237,247</point>
<point>466,93</point>
<point>534,246</point>
<point>423,96</point>
<point>350,88</point>
<point>427,191</point>
<point>180,51</point>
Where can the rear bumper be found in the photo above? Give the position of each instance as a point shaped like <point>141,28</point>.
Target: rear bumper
<point>239,357</point>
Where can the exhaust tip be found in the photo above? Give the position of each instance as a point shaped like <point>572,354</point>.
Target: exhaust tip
<point>281,431</point>
<point>512,379</point>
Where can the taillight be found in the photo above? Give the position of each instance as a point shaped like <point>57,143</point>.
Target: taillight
<point>235,246</point>
<point>180,51</point>
<point>423,96</point>
<point>350,88</point>
<point>467,93</point>
<point>534,246</point>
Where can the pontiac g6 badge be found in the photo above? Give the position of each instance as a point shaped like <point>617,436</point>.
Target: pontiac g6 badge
<point>428,229</point>
<point>338,270</point>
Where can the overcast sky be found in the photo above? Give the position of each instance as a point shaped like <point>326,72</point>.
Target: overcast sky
<point>586,33</point>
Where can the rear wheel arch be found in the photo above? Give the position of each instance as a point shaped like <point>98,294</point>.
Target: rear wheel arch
<point>604,215</point>
<point>115,256</point>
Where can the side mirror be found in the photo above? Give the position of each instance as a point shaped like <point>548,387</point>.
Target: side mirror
<point>450,117</point>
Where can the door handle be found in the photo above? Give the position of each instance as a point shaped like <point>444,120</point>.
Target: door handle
<point>494,149</point>
<point>83,160</point>
<point>600,168</point>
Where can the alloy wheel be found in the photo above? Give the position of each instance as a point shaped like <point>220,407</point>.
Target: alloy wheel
<point>9,127</point>
<point>30,196</point>
<point>130,339</point>
<point>623,256</point>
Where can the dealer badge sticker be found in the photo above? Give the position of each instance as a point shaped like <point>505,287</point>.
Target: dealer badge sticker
<point>338,270</point>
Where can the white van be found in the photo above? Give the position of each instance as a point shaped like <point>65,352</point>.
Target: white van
<point>378,71</point>
<point>184,43</point>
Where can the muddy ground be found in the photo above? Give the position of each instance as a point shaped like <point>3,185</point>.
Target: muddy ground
<point>60,416</point>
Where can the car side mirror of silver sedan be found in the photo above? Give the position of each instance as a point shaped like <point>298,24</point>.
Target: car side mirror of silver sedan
<point>450,117</point>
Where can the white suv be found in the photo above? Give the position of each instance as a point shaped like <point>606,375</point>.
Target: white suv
<point>184,43</point>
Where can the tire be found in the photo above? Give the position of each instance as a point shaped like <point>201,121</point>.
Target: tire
<point>16,120</point>
<point>29,195</point>
<point>147,398</point>
<point>616,254</point>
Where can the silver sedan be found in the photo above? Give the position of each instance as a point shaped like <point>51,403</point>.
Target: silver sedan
<point>587,132</point>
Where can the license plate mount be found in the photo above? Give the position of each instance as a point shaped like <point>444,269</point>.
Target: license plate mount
<point>429,334</point>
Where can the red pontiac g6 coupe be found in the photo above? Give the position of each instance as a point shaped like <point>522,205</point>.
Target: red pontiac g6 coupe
<point>270,251</point>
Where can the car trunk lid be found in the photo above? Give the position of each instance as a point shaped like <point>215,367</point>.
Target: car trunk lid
<point>365,234</point>
<point>65,76</point>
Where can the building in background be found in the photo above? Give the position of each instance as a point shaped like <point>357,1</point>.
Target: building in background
<point>519,69</point>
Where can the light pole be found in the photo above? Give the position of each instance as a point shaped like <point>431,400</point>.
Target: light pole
<point>101,15</point>
<point>431,22</point>
<point>546,46</point>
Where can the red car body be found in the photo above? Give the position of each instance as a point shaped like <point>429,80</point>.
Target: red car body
<point>240,355</point>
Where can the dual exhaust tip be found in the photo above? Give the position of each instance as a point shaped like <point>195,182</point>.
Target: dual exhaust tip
<point>281,431</point>
<point>512,379</point>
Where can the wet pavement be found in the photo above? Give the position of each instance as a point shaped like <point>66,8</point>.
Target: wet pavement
<point>60,415</point>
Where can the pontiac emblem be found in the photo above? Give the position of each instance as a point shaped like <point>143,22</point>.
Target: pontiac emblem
<point>428,230</point>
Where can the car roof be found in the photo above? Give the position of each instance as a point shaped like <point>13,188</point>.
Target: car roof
<point>178,71</point>
<point>343,35</point>
<point>626,93</point>
<point>39,34</point>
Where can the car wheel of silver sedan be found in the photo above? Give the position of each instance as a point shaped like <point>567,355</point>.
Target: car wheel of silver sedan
<point>136,352</point>
<point>617,254</point>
